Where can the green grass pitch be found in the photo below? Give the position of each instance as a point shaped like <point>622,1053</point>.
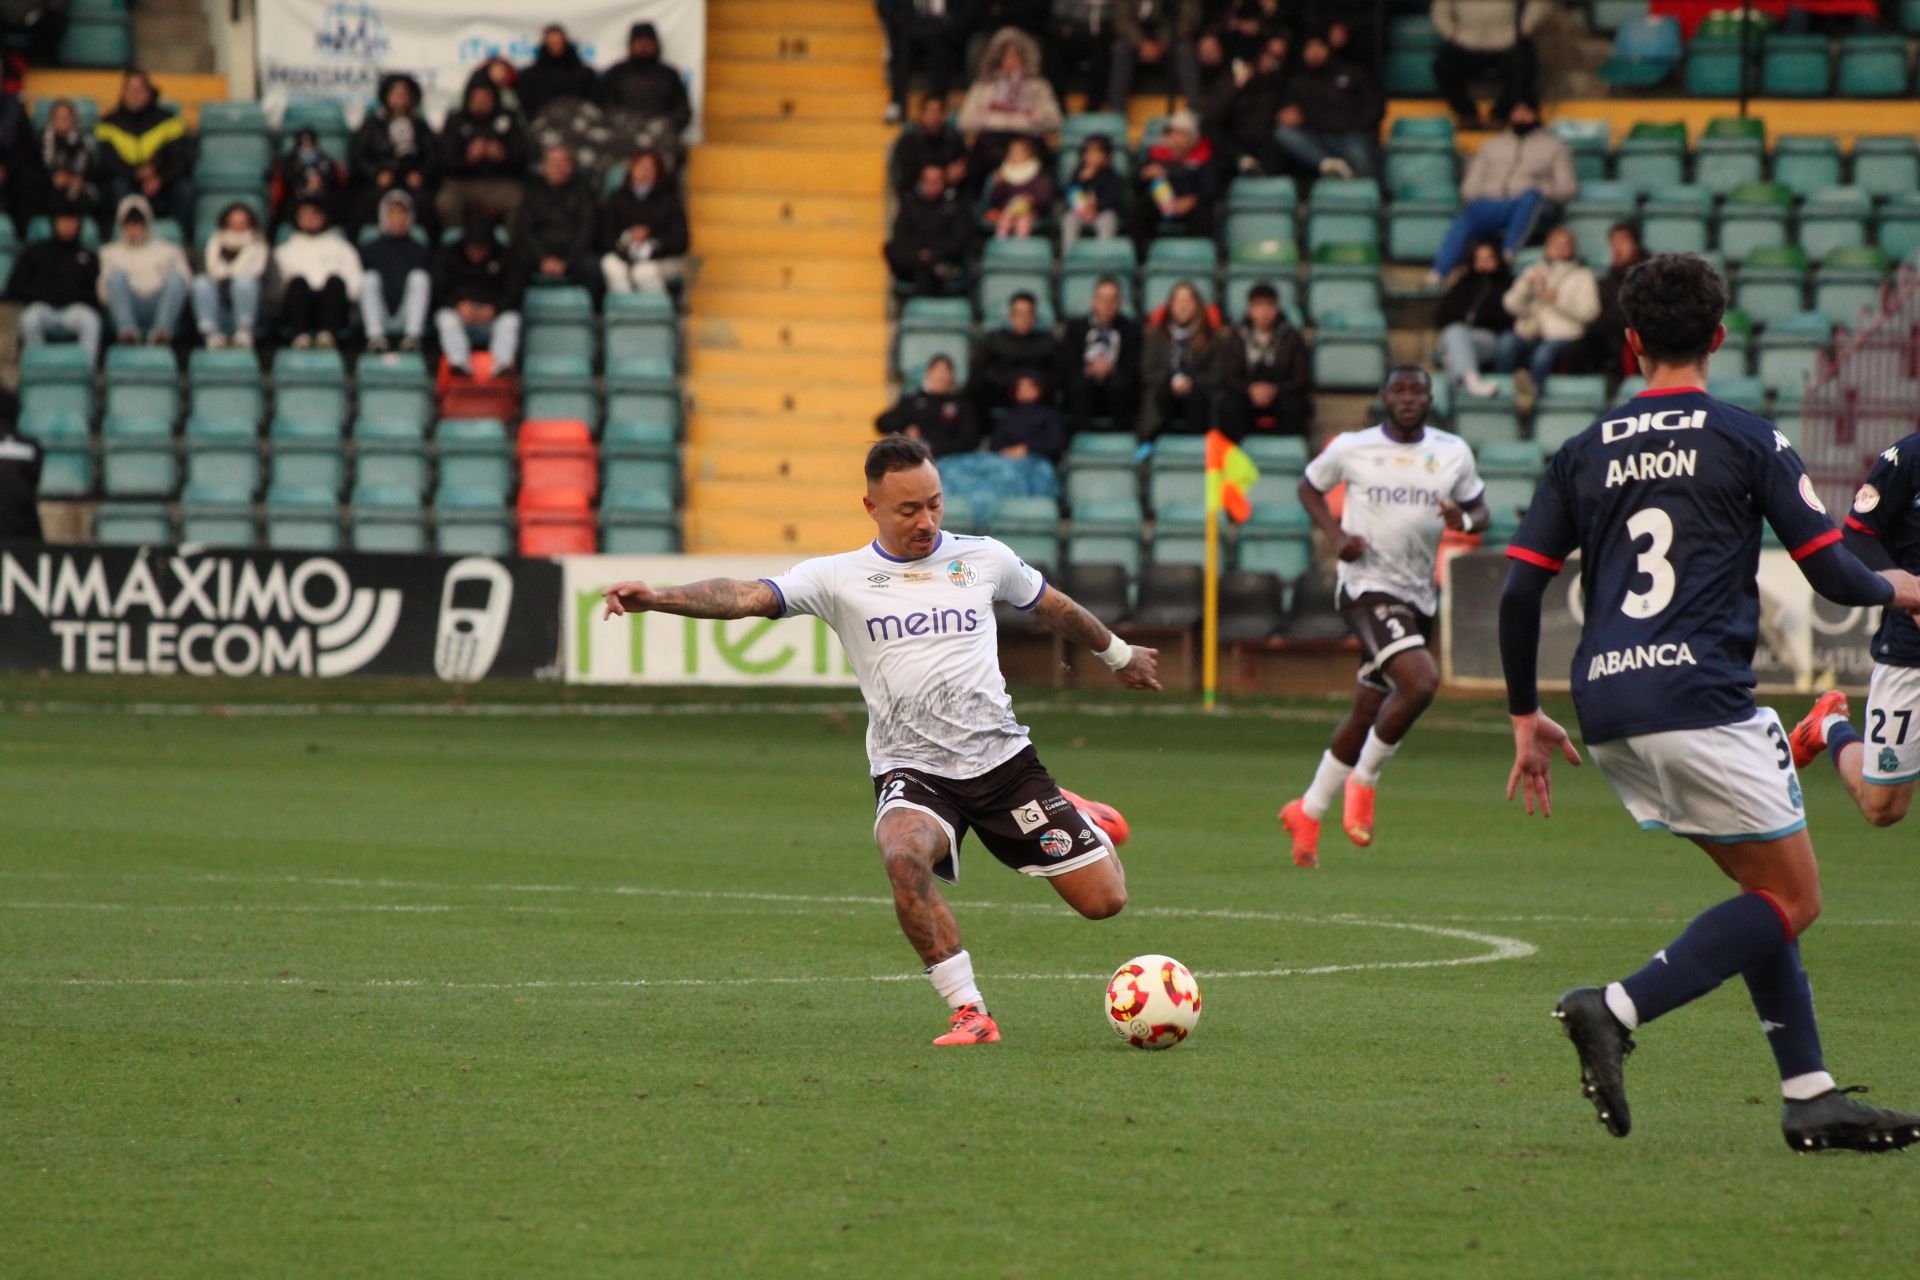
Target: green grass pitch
<point>390,995</point>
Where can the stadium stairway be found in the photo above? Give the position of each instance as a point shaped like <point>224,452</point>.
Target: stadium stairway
<point>787,318</point>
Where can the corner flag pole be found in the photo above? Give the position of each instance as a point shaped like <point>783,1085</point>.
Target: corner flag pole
<point>1210,611</point>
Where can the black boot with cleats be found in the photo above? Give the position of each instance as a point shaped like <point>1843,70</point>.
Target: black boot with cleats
<point>1836,1121</point>
<point>1603,1045</point>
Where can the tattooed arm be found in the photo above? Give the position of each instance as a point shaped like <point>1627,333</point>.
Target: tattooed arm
<point>713,598</point>
<point>1061,614</point>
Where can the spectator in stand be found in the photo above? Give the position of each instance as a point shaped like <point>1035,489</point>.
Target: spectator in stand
<point>143,279</point>
<point>1156,32</point>
<point>23,183</point>
<point>67,155</point>
<point>1330,124</point>
<point>58,280</point>
<point>320,278</point>
<point>923,35</point>
<point>557,226</point>
<point>21,461</point>
<point>233,270</point>
<point>483,151</point>
<point>1021,193</point>
<point>1602,347</point>
<point>646,93</point>
<point>1518,180</point>
<point>1482,38</point>
<point>1473,318</point>
<point>393,149</point>
<point>1178,182</point>
<point>1099,363</point>
<point>1552,303</point>
<point>1081,34</point>
<point>306,172</point>
<point>1031,428</point>
<point>145,151</point>
<point>503,76</point>
<point>931,140</point>
<point>477,289</point>
<point>1178,359</point>
<point>396,287</point>
<point>928,248</point>
<point>1095,198</point>
<point>1265,375</point>
<point>1005,352</point>
<point>1249,25</point>
<point>1009,99</point>
<point>1244,119</point>
<point>935,414</point>
<point>643,230</point>
<point>556,74</point>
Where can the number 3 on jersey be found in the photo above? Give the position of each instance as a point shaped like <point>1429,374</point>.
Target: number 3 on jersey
<point>1656,525</point>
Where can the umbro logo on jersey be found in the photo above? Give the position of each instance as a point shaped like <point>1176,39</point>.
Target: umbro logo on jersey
<point>879,579</point>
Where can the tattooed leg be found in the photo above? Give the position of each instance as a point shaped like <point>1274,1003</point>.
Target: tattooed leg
<point>910,843</point>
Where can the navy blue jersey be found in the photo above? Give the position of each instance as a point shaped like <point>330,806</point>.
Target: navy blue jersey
<point>1887,507</point>
<point>1663,498</point>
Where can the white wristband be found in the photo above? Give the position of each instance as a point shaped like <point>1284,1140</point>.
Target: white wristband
<point>1118,653</point>
<point>1466,522</point>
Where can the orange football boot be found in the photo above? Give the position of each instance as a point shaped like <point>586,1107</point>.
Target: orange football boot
<point>1305,832</point>
<point>1356,813</point>
<point>971,1025</point>
<point>1105,817</point>
<point>1809,737</point>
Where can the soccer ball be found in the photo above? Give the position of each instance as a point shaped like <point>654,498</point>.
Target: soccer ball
<point>1152,1002</point>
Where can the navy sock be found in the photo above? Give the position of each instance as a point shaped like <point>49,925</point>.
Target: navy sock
<point>1839,736</point>
<point>1722,941</point>
<point>1783,998</point>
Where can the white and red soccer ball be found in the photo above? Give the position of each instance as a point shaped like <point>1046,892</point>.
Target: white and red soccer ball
<point>1152,1002</point>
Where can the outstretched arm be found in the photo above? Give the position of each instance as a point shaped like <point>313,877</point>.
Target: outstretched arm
<point>1136,665</point>
<point>713,598</point>
<point>1535,735</point>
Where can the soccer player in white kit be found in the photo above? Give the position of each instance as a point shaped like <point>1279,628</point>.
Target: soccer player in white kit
<point>1406,481</point>
<point>914,611</point>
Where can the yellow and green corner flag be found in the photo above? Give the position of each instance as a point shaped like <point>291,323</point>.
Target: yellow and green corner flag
<point>1230,478</point>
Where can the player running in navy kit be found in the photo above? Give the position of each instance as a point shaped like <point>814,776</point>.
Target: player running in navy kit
<point>1663,499</point>
<point>1883,529</point>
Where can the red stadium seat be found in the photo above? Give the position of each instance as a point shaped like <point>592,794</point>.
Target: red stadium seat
<point>548,433</point>
<point>556,534</point>
<point>554,502</point>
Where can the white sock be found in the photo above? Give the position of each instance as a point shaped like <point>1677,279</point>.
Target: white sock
<point>953,979</point>
<point>1622,1005</point>
<point>1373,758</point>
<point>1826,726</point>
<point>1327,781</point>
<point>1810,1085</point>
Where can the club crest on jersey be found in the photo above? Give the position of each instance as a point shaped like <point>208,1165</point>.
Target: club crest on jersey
<point>961,574</point>
<point>1866,499</point>
<point>1056,843</point>
<point>1614,430</point>
<point>1808,496</point>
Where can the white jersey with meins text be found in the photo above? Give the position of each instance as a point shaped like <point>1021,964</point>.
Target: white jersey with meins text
<point>1394,492</point>
<point>922,640</point>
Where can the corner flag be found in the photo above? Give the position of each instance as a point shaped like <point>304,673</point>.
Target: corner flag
<point>1230,478</point>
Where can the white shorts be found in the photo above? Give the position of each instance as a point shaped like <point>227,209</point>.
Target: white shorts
<point>1892,737</point>
<point>1729,783</point>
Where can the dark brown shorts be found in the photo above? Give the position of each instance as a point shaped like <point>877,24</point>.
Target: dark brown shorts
<point>1017,808</point>
<point>1386,626</point>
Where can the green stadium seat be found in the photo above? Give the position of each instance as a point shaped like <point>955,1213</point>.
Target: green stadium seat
<point>1886,166</point>
<point>1734,352</point>
<point>1350,351</point>
<point>1178,544</point>
<point>325,117</point>
<point>387,519</point>
<point>1081,125</point>
<point>391,464</point>
<point>1102,534</point>
<point>1343,211</point>
<point>233,162</point>
<point>1790,349</point>
<point>1805,164</point>
<point>1897,227</point>
<point>638,522</point>
<point>1156,283</point>
<point>1772,283</point>
<point>1169,488</point>
<point>1873,66</point>
<point>913,349</point>
<point>1848,280</point>
<point>1418,164</point>
<point>640,455</point>
<point>303,519</point>
<point>1287,554</point>
<point>1835,218</point>
<point>1254,193</point>
<point>1592,214</point>
<point>217,517</point>
<point>102,40</point>
<point>1099,484</point>
<point>1739,391</point>
<point>1494,419</point>
<point>1589,139</point>
<point>309,464</point>
<point>138,458</point>
<point>1721,164</point>
<point>126,524</point>
<point>1645,52</point>
<point>475,458</point>
<point>1675,219</point>
<point>1408,69</point>
<point>1263,236</point>
<point>1795,67</point>
<point>1567,405</point>
<point>1713,66</point>
<point>66,471</point>
<point>142,380</point>
<point>1651,156</point>
<point>228,466</point>
<point>916,313</point>
<point>1335,288</point>
<point>1754,216</point>
<point>1418,222</point>
<point>562,388</point>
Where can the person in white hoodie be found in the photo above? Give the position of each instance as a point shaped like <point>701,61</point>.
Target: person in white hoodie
<point>1551,303</point>
<point>226,293</point>
<point>143,278</point>
<point>320,277</point>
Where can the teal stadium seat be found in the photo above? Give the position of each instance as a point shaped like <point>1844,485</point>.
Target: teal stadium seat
<point>138,458</point>
<point>1567,405</point>
<point>1772,283</point>
<point>216,517</point>
<point>1103,534</point>
<point>1795,67</point>
<point>561,388</point>
<point>638,522</point>
<point>1350,351</point>
<point>1256,193</point>
<point>229,466</point>
<point>66,471</point>
<point>127,524</point>
<point>1416,163</point>
<point>101,39</point>
<point>1264,236</point>
<point>1804,164</point>
<point>1790,349</point>
<point>1408,69</point>
<point>387,519</point>
<point>1676,220</point>
<point>642,390</point>
<point>1726,159</point>
<point>1180,536</point>
<point>56,394</point>
<point>1836,218</point>
<point>1243,276</point>
<point>143,381</point>
<point>302,519</point>
<point>559,321</point>
<point>1417,223</point>
<point>225,387</point>
<point>1739,391</point>
<point>1343,211</point>
<point>475,460</point>
<point>40,227</point>
<point>1873,67</point>
<point>325,117</point>
<point>1494,419</point>
<point>1653,155</point>
<point>391,462</point>
<point>1343,280</point>
<point>1754,217</point>
<point>1593,212</point>
<point>1886,166</point>
<point>1645,52</point>
<point>1713,66</point>
<point>1589,139</point>
<point>1848,280</point>
<point>1609,15</point>
<point>1896,227</point>
<point>1031,526</point>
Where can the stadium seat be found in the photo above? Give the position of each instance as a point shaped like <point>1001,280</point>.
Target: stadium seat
<point>100,39</point>
<point>913,349</point>
<point>56,392</point>
<point>324,116</point>
<point>143,381</point>
<point>1772,283</point>
<point>1872,67</point>
<point>226,393</point>
<point>1567,405</point>
<point>227,466</point>
<point>1675,219</point>
<point>308,464</point>
<point>138,459</point>
<point>1804,164</point>
<point>66,471</point>
<point>643,390</point>
<point>1276,542</point>
<point>1754,216</point>
<point>217,517</point>
<point>1416,163</point>
<point>638,522</point>
<point>1848,280</point>
<point>1408,69</point>
<point>40,227</point>
<point>1103,533</point>
<point>997,289</point>
<point>387,519</point>
<point>126,524</point>
<point>1835,218</point>
<point>232,163</point>
<point>642,456</point>
<point>560,322</point>
<point>388,456</point>
<point>1589,140</point>
<point>1343,280</point>
<point>1510,471</point>
<point>1713,66</point>
<point>471,522</point>
<point>1417,222</point>
<point>1343,211</point>
<point>1180,536</point>
<point>1261,235</point>
<point>310,389</point>
<point>563,388</point>
<point>1101,484</point>
<point>1645,52</point>
<point>1274,453</point>
<point>1253,606</point>
<point>85,109</point>
<point>1254,193</point>
<point>1790,349</point>
<point>302,519</point>
<point>1897,227</point>
<point>1592,214</point>
<point>1886,166</point>
<point>1494,419</point>
<point>1350,351</point>
<point>1740,392</point>
<point>1725,160</point>
<point>1171,594</point>
<point>1795,67</point>
<point>1652,156</point>
<point>1081,125</point>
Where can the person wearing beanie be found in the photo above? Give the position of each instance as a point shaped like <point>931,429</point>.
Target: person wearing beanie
<point>648,88</point>
<point>483,155</point>
<point>143,278</point>
<point>320,277</point>
<point>477,289</point>
<point>398,288</point>
<point>557,74</point>
<point>226,293</point>
<point>58,281</point>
